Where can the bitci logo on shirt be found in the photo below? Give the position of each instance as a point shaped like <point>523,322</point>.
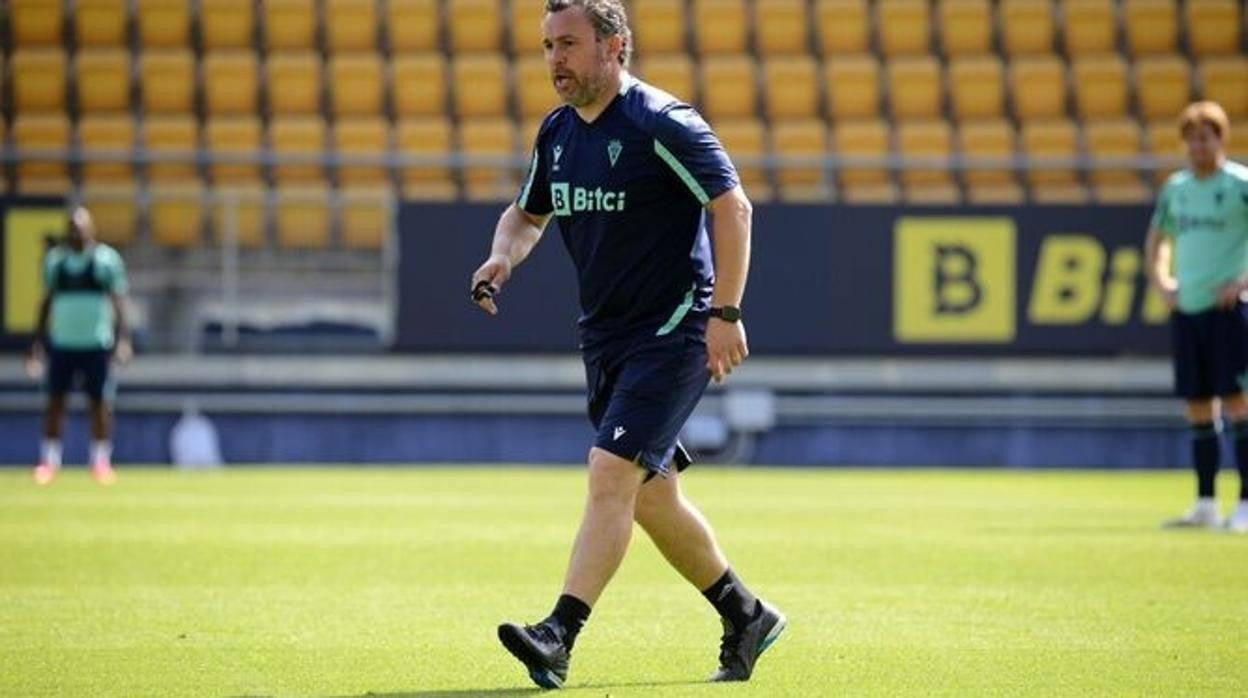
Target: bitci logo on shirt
<point>566,199</point>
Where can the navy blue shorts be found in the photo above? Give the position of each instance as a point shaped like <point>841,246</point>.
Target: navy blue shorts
<point>89,366</point>
<point>1210,352</point>
<point>640,399</point>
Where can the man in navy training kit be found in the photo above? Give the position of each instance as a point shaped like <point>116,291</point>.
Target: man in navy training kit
<point>629,173</point>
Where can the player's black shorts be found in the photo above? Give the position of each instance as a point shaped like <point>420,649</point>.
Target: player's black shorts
<point>1210,352</point>
<point>90,366</point>
<point>640,398</point>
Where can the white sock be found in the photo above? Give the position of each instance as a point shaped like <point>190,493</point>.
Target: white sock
<point>1206,503</point>
<point>101,453</point>
<point>50,452</point>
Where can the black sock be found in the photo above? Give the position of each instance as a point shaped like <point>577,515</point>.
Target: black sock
<point>1239,432</point>
<point>570,613</point>
<point>731,599</point>
<point>1205,457</point>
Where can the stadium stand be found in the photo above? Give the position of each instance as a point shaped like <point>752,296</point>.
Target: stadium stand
<point>747,138</point>
<point>115,211</point>
<point>434,80</point>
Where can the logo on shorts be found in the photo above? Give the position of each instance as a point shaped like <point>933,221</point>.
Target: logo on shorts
<point>619,431</point>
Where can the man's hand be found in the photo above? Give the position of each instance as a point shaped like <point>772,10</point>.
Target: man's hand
<point>1168,289</point>
<point>123,351</point>
<point>34,359</point>
<point>488,280</point>
<point>725,347</point>
<point>1229,295</point>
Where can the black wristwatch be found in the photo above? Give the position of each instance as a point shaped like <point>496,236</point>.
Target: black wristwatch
<point>727,313</point>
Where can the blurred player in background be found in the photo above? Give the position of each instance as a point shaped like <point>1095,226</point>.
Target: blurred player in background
<point>629,174</point>
<point>81,330</point>
<point>1202,216</point>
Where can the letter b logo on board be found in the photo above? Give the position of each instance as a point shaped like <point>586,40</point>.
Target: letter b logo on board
<point>954,280</point>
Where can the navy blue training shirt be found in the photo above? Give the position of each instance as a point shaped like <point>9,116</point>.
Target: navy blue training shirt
<point>628,192</point>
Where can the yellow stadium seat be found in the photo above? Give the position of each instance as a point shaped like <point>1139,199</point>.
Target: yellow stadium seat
<point>868,138</point>
<point>39,80</point>
<point>365,136</point>
<point>487,74</point>
<point>237,137</point>
<point>658,26</point>
<point>171,142</point>
<point>942,194</point>
<point>103,138</point>
<point>35,22</point>
<point>364,212</point>
<point>1107,140</point>
<point>99,23</point>
<point>290,25</point>
<point>991,139</point>
<point>1008,194</point>
<point>535,96</point>
<point>790,87</point>
<point>525,28</point>
<point>926,146</point>
<point>1164,143</point>
<point>965,27</point>
<point>976,87</point>
<point>1122,193</point>
<point>164,23</point>
<point>412,25</point>
<point>294,83</point>
<point>226,24</point>
<point>729,83</point>
<point>44,132</point>
<point>231,83</point>
<point>746,140</point>
<point>302,137</point>
<point>914,87</point>
<point>843,27</point>
<point>672,73</point>
<point>419,84</point>
<point>303,217</point>
<point>1055,138</point>
<point>1163,85</point>
<point>1100,86</point>
<point>167,78</point>
<point>351,25</point>
<point>903,27</point>
<point>876,193</point>
<point>488,138</point>
<point>853,87</point>
<point>1224,79</point>
<point>1026,27</point>
<point>426,138</point>
<point>356,84</point>
<point>244,208</point>
<point>115,212</point>
<point>1151,26</point>
<point>1213,27</point>
<point>1089,26</point>
<point>780,27</point>
<point>176,214</point>
<point>1038,87</point>
<point>474,26</point>
<point>103,78</point>
<point>806,139</point>
<point>528,136</point>
<point>721,26</point>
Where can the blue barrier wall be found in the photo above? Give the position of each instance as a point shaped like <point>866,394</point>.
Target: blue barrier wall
<point>832,280</point>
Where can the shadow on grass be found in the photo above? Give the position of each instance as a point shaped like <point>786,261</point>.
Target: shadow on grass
<point>508,692</point>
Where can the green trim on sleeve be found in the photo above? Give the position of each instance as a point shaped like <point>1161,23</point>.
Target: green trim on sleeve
<point>698,192</point>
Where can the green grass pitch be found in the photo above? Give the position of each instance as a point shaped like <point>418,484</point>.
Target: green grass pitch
<point>390,582</point>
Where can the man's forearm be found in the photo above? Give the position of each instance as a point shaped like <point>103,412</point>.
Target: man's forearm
<point>121,327</point>
<point>515,235</point>
<point>731,238</point>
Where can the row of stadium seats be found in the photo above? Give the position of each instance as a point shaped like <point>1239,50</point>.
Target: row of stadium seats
<point>899,27</point>
<point>230,149</point>
<point>236,83</point>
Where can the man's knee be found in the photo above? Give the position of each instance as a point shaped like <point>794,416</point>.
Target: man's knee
<point>1235,407</point>
<point>612,479</point>
<point>1200,411</point>
<point>655,500</point>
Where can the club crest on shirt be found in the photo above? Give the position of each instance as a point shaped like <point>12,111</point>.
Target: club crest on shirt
<point>613,151</point>
<point>557,152</point>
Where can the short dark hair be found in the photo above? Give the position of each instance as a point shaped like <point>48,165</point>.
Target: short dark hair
<point>608,18</point>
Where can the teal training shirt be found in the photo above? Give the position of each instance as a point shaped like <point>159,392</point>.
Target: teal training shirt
<point>1208,221</point>
<point>81,316</point>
